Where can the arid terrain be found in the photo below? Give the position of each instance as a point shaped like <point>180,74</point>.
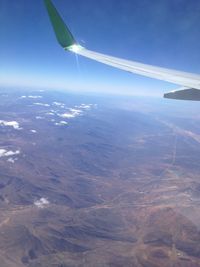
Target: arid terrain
<point>85,181</point>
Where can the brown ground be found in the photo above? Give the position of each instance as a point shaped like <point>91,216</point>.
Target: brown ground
<point>123,189</point>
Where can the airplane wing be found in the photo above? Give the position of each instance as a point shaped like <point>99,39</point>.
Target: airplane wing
<point>190,82</point>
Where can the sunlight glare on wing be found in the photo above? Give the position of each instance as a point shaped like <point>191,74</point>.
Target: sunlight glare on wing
<point>75,48</point>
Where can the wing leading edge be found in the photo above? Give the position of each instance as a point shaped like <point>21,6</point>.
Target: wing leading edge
<point>190,81</point>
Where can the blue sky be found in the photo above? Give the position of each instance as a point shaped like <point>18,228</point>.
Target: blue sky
<point>159,32</point>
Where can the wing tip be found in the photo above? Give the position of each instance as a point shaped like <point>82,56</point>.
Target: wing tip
<point>63,34</point>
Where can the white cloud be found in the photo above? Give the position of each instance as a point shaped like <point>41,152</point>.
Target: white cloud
<point>13,124</point>
<point>58,104</point>
<point>11,160</point>
<point>8,153</point>
<point>41,203</point>
<point>73,113</point>
<point>31,96</point>
<point>42,104</point>
<point>34,96</point>
<point>39,117</point>
<point>85,106</point>
<point>61,123</point>
<point>67,115</point>
<point>33,131</point>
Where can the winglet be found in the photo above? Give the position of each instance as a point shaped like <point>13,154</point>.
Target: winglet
<point>63,34</point>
